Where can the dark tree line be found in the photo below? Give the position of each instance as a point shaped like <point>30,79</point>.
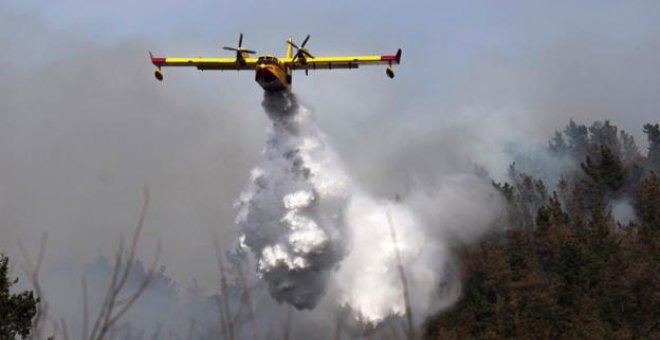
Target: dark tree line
<point>566,267</point>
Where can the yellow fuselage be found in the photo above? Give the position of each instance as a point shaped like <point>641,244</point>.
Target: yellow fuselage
<point>272,75</point>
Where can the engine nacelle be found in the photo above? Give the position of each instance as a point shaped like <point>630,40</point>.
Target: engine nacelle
<point>390,72</point>
<point>158,74</point>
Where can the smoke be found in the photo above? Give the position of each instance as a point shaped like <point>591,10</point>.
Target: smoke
<point>84,128</point>
<point>623,211</point>
<point>313,231</point>
<point>291,213</point>
<point>368,282</point>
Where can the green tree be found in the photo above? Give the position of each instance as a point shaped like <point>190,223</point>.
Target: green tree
<point>16,310</point>
<point>648,202</point>
<point>653,134</point>
<point>604,133</point>
<point>578,139</point>
<point>525,195</point>
<point>573,272</point>
<point>608,173</point>
<point>557,144</point>
<point>629,149</point>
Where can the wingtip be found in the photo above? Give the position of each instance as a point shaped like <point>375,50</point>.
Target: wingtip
<point>157,61</point>
<point>398,55</point>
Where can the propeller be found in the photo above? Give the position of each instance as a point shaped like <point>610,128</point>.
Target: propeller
<point>301,51</point>
<point>239,50</point>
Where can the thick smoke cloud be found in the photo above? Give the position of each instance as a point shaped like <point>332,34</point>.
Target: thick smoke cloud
<point>291,214</point>
<point>313,231</point>
<point>83,127</point>
<point>82,132</point>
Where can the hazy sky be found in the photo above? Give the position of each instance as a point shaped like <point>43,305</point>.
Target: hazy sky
<point>84,126</point>
<point>442,40</point>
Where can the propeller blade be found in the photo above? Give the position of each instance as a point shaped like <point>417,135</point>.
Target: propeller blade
<point>294,58</point>
<point>294,45</point>
<point>304,41</point>
<point>240,48</point>
<point>307,53</point>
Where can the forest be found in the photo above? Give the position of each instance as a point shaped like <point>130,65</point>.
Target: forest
<point>580,260</point>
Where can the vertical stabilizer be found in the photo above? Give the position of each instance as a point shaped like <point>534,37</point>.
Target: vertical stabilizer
<point>289,51</point>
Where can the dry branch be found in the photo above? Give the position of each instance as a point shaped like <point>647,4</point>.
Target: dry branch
<point>112,309</point>
<point>225,314</point>
<point>32,270</point>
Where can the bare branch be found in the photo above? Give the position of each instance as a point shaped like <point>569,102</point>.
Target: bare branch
<point>109,315</point>
<point>134,242</point>
<point>42,250</point>
<point>143,287</point>
<point>32,272</point>
<point>108,300</point>
<point>248,302</point>
<point>85,308</point>
<point>223,289</point>
<point>223,318</point>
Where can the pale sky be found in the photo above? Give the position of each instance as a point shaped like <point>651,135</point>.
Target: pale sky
<point>445,43</point>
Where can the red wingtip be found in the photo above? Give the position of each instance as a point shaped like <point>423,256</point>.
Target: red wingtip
<point>396,58</point>
<point>158,61</point>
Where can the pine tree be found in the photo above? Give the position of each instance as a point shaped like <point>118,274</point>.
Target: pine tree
<point>611,169</point>
<point>629,149</point>
<point>575,272</point>
<point>605,134</point>
<point>16,310</point>
<point>648,202</point>
<point>578,139</point>
<point>557,144</point>
<point>653,135</point>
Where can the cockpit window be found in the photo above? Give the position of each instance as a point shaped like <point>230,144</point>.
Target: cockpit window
<point>267,60</point>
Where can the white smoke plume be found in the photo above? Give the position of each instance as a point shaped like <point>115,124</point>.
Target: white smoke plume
<point>291,214</point>
<point>314,232</point>
<point>368,282</point>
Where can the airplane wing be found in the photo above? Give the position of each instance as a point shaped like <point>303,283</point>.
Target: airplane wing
<point>342,62</point>
<point>206,63</point>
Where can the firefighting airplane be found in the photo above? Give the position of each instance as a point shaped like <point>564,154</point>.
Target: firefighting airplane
<point>272,73</point>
